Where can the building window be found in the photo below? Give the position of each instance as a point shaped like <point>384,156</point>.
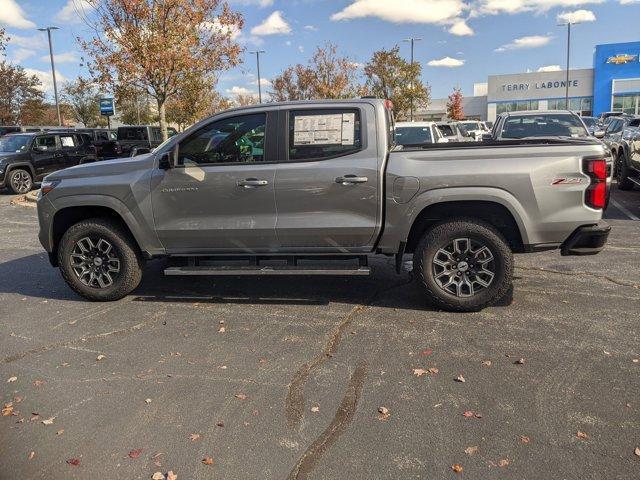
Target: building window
<point>581,105</point>
<point>627,104</point>
<point>519,106</point>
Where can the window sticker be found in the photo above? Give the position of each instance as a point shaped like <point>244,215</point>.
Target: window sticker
<point>332,129</point>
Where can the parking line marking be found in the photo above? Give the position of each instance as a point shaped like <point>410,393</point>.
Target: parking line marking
<point>624,210</point>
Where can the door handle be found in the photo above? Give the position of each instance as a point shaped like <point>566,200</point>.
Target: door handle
<point>58,155</point>
<point>351,179</point>
<point>252,183</point>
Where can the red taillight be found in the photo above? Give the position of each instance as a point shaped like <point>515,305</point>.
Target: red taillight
<point>596,193</point>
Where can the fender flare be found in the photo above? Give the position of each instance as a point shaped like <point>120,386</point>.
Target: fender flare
<point>13,166</point>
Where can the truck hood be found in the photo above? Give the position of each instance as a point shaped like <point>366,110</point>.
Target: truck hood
<point>117,166</point>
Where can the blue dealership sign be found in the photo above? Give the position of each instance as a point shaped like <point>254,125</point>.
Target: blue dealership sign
<point>107,106</point>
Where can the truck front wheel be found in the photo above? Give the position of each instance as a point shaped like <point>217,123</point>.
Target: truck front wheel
<point>463,265</point>
<point>99,260</point>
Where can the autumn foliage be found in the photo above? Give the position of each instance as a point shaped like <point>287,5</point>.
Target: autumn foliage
<point>454,105</point>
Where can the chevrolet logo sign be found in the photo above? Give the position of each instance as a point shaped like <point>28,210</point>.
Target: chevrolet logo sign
<point>622,58</point>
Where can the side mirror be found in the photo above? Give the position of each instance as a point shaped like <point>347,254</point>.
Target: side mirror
<point>165,162</point>
<point>598,134</point>
<point>486,137</point>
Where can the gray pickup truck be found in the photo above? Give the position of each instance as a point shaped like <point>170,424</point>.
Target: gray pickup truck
<point>316,188</point>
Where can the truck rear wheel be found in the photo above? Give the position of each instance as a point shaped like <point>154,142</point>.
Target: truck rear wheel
<point>623,172</point>
<point>99,260</point>
<point>463,265</point>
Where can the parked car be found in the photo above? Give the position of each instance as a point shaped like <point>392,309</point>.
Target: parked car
<point>475,128</point>
<point>537,123</point>
<point>105,141</point>
<point>591,123</point>
<point>137,139</point>
<point>298,182</point>
<point>453,132</point>
<point>418,133</point>
<point>26,158</point>
<point>622,136</point>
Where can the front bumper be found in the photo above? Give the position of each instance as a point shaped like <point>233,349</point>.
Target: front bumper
<point>586,240</point>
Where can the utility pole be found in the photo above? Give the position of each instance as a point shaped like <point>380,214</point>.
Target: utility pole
<point>257,54</point>
<point>53,70</point>
<point>411,40</point>
<point>566,94</point>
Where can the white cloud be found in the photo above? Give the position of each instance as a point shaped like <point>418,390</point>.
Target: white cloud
<point>532,41</point>
<point>311,28</point>
<point>461,29</point>
<point>405,11</point>
<point>447,62</point>
<point>22,54</point>
<point>46,79</point>
<point>66,57</point>
<point>274,24</point>
<point>300,48</point>
<point>628,2</point>
<point>578,16</point>
<point>550,68</point>
<point>236,90</point>
<point>12,15</point>
<point>37,41</point>
<point>74,11</point>
<point>494,7</point>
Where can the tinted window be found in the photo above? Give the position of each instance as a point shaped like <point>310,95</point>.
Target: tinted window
<point>135,133</point>
<point>614,126</point>
<point>232,140</point>
<point>14,143</point>
<point>318,134</point>
<point>102,136</point>
<point>413,135</point>
<point>589,121</point>
<point>48,141</point>
<point>447,130</point>
<point>545,125</point>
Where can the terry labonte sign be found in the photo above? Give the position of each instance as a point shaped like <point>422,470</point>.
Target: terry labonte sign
<point>540,85</point>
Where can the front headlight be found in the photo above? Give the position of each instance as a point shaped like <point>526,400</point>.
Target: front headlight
<point>47,185</point>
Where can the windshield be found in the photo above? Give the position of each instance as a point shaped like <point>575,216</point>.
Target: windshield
<point>14,143</point>
<point>471,126</point>
<point>544,125</point>
<point>447,130</point>
<point>413,135</point>
<point>589,121</point>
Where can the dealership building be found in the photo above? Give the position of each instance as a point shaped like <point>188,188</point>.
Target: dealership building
<point>612,84</point>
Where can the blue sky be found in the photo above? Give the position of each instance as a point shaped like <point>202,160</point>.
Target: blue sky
<point>464,40</point>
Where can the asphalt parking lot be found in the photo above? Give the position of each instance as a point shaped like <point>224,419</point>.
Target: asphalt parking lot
<point>276,378</point>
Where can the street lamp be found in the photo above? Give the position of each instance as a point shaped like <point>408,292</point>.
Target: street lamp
<point>257,54</point>
<point>566,94</point>
<point>53,70</point>
<point>411,40</point>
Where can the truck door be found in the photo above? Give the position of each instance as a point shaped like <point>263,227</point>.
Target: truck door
<point>70,149</point>
<point>46,155</point>
<point>327,192</point>
<point>220,194</point>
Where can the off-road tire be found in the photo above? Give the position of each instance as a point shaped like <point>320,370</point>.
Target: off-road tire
<point>127,251</point>
<point>20,181</point>
<point>623,174</point>
<point>443,233</point>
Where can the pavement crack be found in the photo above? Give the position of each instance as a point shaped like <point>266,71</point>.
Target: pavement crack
<point>343,417</point>
<point>607,278</point>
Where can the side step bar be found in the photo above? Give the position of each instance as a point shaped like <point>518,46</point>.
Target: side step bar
<point>265,270</point>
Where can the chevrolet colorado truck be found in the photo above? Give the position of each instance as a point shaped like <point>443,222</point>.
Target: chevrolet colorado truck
<point>317,188</point>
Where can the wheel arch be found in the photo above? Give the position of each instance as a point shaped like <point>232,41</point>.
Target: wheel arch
<point>23,166</point>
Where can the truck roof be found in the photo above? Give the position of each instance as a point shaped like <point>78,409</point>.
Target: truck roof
<point>307,102</point>
<point>539,112</point>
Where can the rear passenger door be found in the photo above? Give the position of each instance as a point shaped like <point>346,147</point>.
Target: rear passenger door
<point>71,149</point>
<point>46,155</point>
<point>326,185</point>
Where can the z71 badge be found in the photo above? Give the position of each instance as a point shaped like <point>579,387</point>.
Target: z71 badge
<point>566,181</point>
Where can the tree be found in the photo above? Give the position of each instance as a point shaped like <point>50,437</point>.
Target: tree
<point>83,98</point>
<point>133,106</point>
<point>327,75</point>
<point>156,45</point>
<point>454,105</point>
<point>243,100</point>
<point>196,100</point>
<point>390,76</point>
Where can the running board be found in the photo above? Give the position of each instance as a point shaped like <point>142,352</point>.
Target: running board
<point>270,270</point>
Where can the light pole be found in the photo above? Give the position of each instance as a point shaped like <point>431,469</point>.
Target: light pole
<point>566,94</point>
<point>257,54</point>
<point>53,70</point>
<point>411,40</point>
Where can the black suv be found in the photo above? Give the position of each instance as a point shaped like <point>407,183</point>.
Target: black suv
<point>26,158</point>
<point>140,139</point>
<point>105,142</point>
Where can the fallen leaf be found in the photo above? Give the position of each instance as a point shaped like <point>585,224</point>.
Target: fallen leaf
<point>135,453</point>
<point>503,463</point>
<point>457,468</point>
<point>486,363</point>
<point>101,357</point>
<point>171,475</point>
<point>636,360</point>
<point>207,461</point>
<point>478,415</point>
<point>31,455</point>
<point>222,330</point>
<point>582,435</point>
<point>147,401</point>
<point>418,372</point>
<point>60,432</point>
<point>460,379</point>
<point>383,413</point>
<point>7,409</point>
<point>427,352</point>
<point>48,421</point>
<point>240,396</point>
<point>606,353</point>
<point>471,450</point>
<point>194,436</point>
<point>263,360</point>
<point>433,371</point>
<point>628,405</point>
<point>158,476</point>
<point>637,451</point>
<point>220,424</point>
<point>17,399</point>
<point>38,382</point>
<point>520,361</point>
<point>74,462</point>
<point>524,439</point>
<point>12,379</point>
<point>315,408</point>
<point>468,414</point>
